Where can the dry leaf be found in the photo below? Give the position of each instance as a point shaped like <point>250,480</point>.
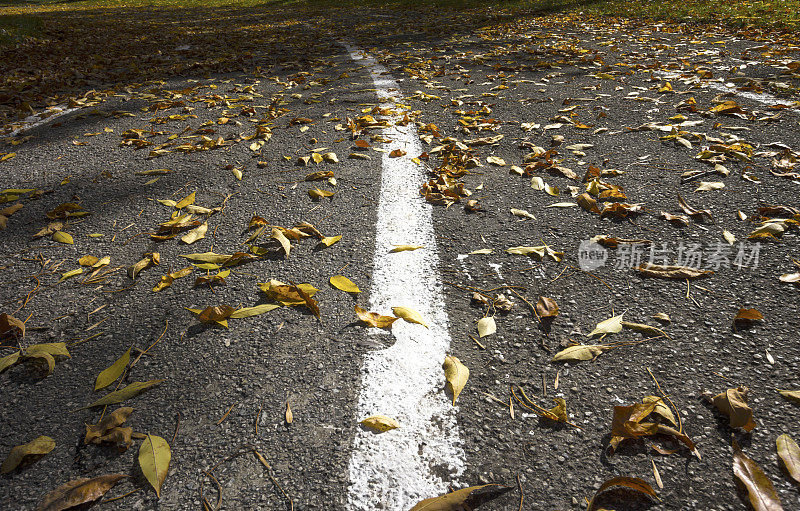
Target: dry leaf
<point>154,458</point>
<point>195,234</point>
<point>343,283</point>
<point>404,248</point>
<point>77,492</point>
<point>380,423</point>
<point>409,315</point>
<point>288,416</point>
<point>29,452</point>
<point>791,395</point>
<point>374,319</point>
<point>486,326</point>
<point>672,271</point>
<point>611,325</point>
<point>790,455</point>
<point>733,403</point>
<point>546,308</point>
<point>633,483</point>
<point>128,392</point>
<point>746,317</point>
<point>759,488</point>
<point>580,352</point>
<point>464,499</point>
<point>456,375</point>
<point>277,234</point>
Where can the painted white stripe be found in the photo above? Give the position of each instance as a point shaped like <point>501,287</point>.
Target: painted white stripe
<point>760,97</point>
<point>396,469</point>
<point>34,121</point>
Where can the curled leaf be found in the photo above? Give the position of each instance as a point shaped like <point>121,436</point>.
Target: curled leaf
<point>77,492</point>
<point>380,423</point>
<point>374,319</point>
<point>486,326</point>
<point>465,498</point>
<point>31,451</point>
<point>409,315</point>
<point>456,375</point>
<point>733,403</point>
<point>633,483</point>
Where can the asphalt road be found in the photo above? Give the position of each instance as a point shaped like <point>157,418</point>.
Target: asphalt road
<point>226,389</point>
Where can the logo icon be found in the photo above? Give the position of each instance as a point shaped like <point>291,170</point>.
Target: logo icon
<point>591,255</point>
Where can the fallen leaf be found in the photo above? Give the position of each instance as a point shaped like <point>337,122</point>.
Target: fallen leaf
<point>647,330</point>
<point>790,455</point>
<point>128,392</point>
<point>63,237</point>
<point>486,326</point>
<point>456,375</point>
<point>496,160</point>
<point>77,492</point>
<point>11,328</point>
<point>733,403</point>
<point>705,186</point>
<point>546,308</point>
<point>409,315</point>
<point>109,375</point>
<point>611,325</point>
<point>246,312</point>
<point>344,284</point>
<point>29,452</point>
<point>404,248</point>
<point>329,240</point>
<point>759,488</point>
<point>522,213</point>
<point>278,235</point>
<point>580,352</point>
<point>110,429</point>
<point>746,317</point>
<point>380,423</point>
<point>374,319</point>
<point>791,395</point>
<point>397,153</point>
<point>195,234</point>
<point>672,271</point>
<point>154,458</point>
<point>633,483</point>
<point>463,499</point>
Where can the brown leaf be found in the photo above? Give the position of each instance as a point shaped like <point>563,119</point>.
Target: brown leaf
<point>671,271</point>
<point>374,319</point>
<point>701,214</point>
<point>466,498</point>
<point>215,314</point>
<point>546,308</point>
<point>588,203</point>
<point>746,317</point>
<point>309,302</point>
<point>77,492</point>
<point>11,328</point>
<point>633,483</point>
<point>109,430</point>
<point>397,153</point>
<point>733,403</point>
<point>759,488</point>
<point>29,452</point>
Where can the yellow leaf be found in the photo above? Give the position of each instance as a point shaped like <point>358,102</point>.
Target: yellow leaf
<point>277,234</point>
<point>63,237</point>
<point>186,201</point>
<point>87,260</point>
<point>410,315</point>
<point>404,248</point>
<point>380,423</point>
<point>486,326</point>
<point>330,240</point>
<point>456,375</point>
<point>343,283</point>
<point>374,319</point>
<point>154,458</point>
<point>195,234</point>
<point>70,274</point>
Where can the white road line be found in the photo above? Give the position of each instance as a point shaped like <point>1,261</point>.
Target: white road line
<point>396,469</point>
<point>760,97</point>
<point>35,121</point>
